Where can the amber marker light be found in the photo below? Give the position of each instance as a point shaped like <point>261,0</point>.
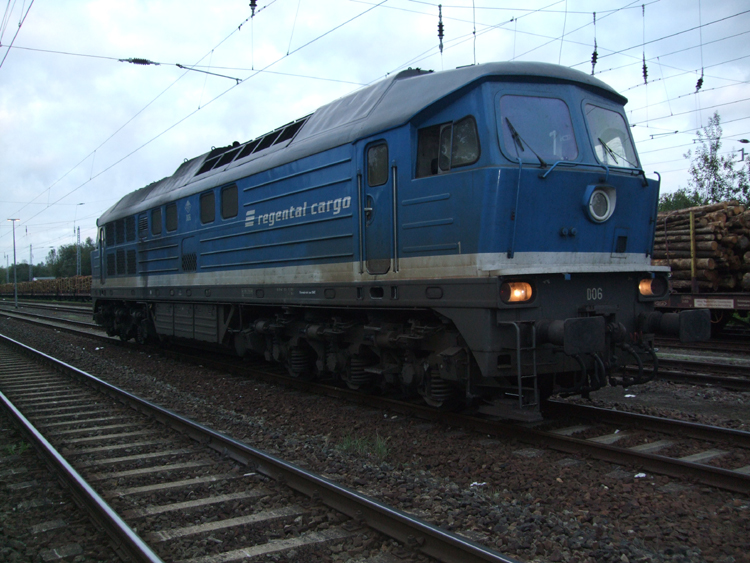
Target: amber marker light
<point>516,292</point>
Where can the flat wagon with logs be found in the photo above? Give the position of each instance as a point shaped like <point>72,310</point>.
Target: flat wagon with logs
<point>77,288</point>
<point>708,250</point>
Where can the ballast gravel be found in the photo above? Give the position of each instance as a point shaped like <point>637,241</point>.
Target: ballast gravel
<point>530,504</point>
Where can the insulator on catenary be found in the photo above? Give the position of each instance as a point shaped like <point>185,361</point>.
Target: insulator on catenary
<point>253,5</point>
<point>595,54</point>
<point>594,58</point>
<point>136,61</point>
<point>440,26</point>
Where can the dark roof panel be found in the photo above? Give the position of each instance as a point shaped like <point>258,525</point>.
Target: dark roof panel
<point>384,105</point>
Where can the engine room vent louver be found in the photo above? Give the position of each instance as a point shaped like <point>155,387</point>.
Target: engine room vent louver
<point>224,155</point>
<point>111,270</point>
<point>142,225</point>
<point>120,231</point>
<point>132,265</point>
<point>130,228</point>
<point>189,262</point>
<point>121,269</point>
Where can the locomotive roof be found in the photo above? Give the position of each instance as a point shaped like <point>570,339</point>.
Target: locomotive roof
<point>384,105</point>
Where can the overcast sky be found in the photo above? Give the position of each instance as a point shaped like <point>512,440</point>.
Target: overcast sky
<point>78,126</point>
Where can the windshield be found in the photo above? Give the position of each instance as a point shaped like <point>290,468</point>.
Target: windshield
<point>610,137</point>
<point>537,129</point>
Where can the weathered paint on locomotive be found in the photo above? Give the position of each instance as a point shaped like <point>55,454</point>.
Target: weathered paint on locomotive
<point>437,215</point>
<point>345,213</point>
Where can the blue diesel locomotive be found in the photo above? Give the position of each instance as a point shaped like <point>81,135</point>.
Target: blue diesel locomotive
<point>478,235</point>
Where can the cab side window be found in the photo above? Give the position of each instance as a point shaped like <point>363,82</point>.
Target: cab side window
<point>156,221</point>
<point>377,165</point>
<point>208,207</point>
<point>229,204</point>
<point>171,212</point>
<point>440,148</point>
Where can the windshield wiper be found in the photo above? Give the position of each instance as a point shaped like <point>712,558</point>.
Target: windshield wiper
<point>519,142</point>
<point>613,154</point>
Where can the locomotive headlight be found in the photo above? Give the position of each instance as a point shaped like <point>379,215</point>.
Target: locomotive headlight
<point>653,287</point>
<point>599,202</point>
<point>516,292</point>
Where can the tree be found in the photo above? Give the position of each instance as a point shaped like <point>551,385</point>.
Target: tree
<point>62,262</point>
<point>713,177</point>
<point>681,199</point>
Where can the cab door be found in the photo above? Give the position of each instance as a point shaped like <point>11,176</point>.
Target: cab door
<point>378,208</point>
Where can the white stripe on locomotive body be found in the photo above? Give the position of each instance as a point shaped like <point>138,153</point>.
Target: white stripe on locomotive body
<point>463,266</point>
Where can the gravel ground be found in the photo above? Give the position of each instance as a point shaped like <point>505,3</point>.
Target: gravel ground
<point>534,505</point>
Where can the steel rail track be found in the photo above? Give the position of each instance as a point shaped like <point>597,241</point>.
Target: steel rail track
<point>52,306</point>
<point>725,382</point>
<point>34,317</point>
<point>734,346</point>
<point>735,377</point>
<point>125,539</point>
<point>430,540</point>
<point>703,367</point>
<point>655,423</point>
<point>706,474</point>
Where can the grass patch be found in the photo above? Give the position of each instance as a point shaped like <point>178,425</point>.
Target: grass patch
<point>16,449</point>
<point>363,446</point>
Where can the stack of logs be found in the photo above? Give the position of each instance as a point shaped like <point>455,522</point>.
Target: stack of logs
<point>722,247</point>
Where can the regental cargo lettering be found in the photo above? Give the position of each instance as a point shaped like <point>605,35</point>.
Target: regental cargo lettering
<point>333,206</point>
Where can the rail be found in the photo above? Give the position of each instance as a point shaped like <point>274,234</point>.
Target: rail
<point>430,540</point>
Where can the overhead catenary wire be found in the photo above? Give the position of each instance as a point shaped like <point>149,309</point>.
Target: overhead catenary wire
<point>20,24</point>
<point>190,114</point>
<point>693,111</point>
<point>699,84</point>
<point>671,147</point>
<point>527,10</point>
<point>294,24</point>
<point>573,31</point>
<point>6,18</point>
<point>142,62</point>
<point>682,50</point>
<point>664,37</point>
<point>735,82</point>
<point>562,35</point>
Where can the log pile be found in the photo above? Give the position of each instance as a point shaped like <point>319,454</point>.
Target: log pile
<point>722,247</point>
<point>77,286</point>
